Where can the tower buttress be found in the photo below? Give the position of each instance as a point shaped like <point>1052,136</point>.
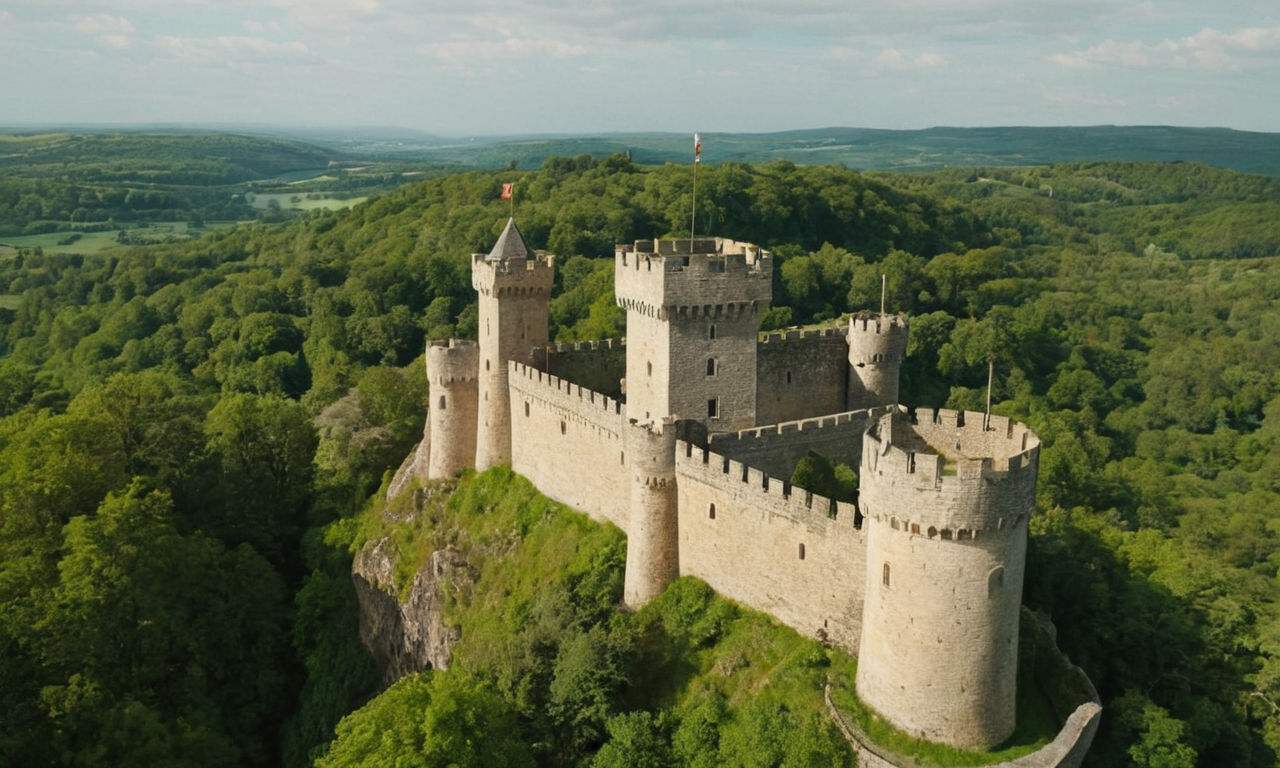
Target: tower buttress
<point>514,287</point>
<point>652,536</point>
<point>877,345</point>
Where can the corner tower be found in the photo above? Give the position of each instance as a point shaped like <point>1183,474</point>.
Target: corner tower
<point>945,502</point>
<point>451,374</point>
<point>693,313</point>
<point>877,345</point>
<point>514,286</point>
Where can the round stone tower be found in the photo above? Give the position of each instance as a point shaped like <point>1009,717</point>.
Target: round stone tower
<point>652,534</point>
<point>451,375</point>
<point>514,286</point>
<point>945,503</point>
<point>877,344</point>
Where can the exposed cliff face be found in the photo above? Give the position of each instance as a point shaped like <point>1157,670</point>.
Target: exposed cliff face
<point>410,636</point>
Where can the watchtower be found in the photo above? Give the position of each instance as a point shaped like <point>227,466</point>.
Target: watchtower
<point>514,285</point>
<point>693,313</point>
<point>452,376</point>
<point>945,501</point>
<point>877,345</point>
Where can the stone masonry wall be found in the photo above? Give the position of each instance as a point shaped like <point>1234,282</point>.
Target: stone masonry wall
<point>776,448</point>
<point>770,546</point>
<point>801,374</point>
<point>567,440</point>
<point>596,365</point>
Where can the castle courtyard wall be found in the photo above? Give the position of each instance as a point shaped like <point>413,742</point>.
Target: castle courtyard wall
<point>771,547</point>
<point>801,374</point>
<point>596,365</point>
<point>567,440</point>
<point>777,447</point>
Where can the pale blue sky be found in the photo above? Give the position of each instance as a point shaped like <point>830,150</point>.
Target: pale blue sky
<point>489,66</point>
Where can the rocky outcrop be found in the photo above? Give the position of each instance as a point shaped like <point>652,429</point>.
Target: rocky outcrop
<point>409,636</point>
<point>414,465</point>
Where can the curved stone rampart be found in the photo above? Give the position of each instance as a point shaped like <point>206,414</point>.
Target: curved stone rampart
<point>945,502</point>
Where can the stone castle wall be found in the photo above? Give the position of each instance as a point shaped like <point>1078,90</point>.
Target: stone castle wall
<point>568,441</point>
<point>770,546</point>
<point>776,448</point>
<point>597,365</point>
<point>801,374</point>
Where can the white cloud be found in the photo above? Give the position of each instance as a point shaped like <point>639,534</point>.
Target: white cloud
<point>459,51</point>
<point>893,60</point>
<point>113,31</point>
<point>244,54</point>
<point>1208,49</point>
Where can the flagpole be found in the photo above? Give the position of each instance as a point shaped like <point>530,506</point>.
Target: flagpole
<point>693,220</point>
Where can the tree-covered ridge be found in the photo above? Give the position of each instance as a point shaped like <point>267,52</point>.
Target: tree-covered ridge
<point>161,158</point>
<point>233,394</point>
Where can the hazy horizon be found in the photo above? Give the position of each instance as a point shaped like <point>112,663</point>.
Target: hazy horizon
<point>548,67</point>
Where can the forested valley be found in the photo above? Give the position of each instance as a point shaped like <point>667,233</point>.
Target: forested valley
<point>191,435</point>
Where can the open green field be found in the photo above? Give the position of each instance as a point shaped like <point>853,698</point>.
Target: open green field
<point>96,242</point>
<point>293,201</point>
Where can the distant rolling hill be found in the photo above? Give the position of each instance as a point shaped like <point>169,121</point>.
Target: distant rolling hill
<point>867,148</point>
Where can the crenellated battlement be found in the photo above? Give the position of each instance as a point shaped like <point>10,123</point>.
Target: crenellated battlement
<point>452,360</point>
<point>719,277</point>
<point>791,501</point>
<point>942,473</point>
<point>593,345</point>
<point>877,339</point>
<point>513,277</point>
<point>527,378</point>
<point>800,334</point>
<point>787,427</point>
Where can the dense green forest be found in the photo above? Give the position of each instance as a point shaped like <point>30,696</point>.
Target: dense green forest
<point>190,434</point>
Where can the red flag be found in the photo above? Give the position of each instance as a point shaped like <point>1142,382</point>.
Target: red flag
<point>506,190</point>
<point>697,149</point>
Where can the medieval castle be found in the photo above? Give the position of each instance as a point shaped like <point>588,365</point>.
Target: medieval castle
<point>689,451</point>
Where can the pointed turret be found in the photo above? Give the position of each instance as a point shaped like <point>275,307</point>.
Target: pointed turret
<point>514,286</point>
<point>511,244</point>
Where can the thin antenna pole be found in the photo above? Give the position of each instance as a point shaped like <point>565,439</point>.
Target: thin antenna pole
<point>991,371</point>
<point>884,281</point>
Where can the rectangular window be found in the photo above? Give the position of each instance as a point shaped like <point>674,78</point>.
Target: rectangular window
<point>713,408</point>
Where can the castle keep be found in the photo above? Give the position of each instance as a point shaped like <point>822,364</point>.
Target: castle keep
<point>685,439</point>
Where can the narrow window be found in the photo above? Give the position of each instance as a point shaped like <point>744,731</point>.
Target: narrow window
<point>442,402</point>
<point>526,410</point>
<point>486,365</point>
<point>802,551</point>
<point>562,428</point>
<point>788,377</point>
<point>711,366</point>
<point>713,408</point>
<point>711,332</point>
<point>622,457</point>
<point>711,512</point>
<point>915,528</point>
<point>885,577</point>
<point>649,368</point>
<point>995,581</point>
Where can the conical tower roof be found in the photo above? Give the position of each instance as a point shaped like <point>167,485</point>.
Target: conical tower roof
<point>510,245</point>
